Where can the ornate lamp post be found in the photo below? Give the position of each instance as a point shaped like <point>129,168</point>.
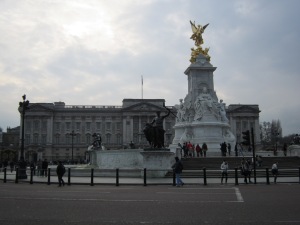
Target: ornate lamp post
<point>73,134</point>
<point>22,164</point>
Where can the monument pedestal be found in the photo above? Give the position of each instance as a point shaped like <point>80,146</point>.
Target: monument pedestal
<point>157,161</point>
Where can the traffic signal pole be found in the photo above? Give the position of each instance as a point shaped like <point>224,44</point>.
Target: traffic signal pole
<point>253,150</point>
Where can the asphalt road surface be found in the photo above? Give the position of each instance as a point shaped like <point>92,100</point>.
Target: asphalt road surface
<point>276,204</point>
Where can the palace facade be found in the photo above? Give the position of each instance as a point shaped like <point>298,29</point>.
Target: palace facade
<point>56,131</point>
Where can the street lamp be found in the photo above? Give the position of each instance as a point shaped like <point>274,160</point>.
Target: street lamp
<point>22,164</point>
<point>73,134</point>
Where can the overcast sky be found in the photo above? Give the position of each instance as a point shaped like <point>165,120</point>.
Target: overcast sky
<point>94,52</point>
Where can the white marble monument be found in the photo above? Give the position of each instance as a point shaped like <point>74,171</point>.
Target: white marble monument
<point>200,116</point>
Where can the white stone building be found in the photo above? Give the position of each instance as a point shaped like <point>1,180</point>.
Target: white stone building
<point>49,127</point>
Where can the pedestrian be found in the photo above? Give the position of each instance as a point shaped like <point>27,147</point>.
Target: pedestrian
<point>190,149</point>
<point>284,149</point>
<point>60,171</point>
<point>224,170</point>
<point>275,171</point>
<point>245,170</point>
<point>12,166</point>
<point>223,148</point>
<point>204,148</point>
<point>236,149</point>
<point>39,167</point>
<point>229,149</point>
<point>44,167</point>
<point>185,150</point>
<point>32,167</point>
<point>177,168</point>
<point>198,150</point>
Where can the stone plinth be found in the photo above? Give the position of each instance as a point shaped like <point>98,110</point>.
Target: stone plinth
<point>294,150</point>
<point>157,162</point>
<point>121,159</point>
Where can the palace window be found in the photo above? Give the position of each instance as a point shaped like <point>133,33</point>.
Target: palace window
<point>77,126</point>
<point>57,136</point>
<point>27,139</point>
<point>44,139</point>
<point>98,126</point>
<point>35,139</point>
<point>88,139</point>
<point>119,139</point>
<point>44,125</point>
<point>57,125</point>
<point>36,125</point>
<point>108,125</point>
<point>108,137</point>
<point>68,126</point>
<point>88,126</point>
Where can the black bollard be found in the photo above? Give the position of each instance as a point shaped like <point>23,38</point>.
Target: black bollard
<point>48,176</point>
<point>92,177</point>
<point>299,175</point>
<point>4,180</point>
<point>117,177</point>
<point>204,176</point>
<point>267,176</point>
<point>145,177</point>
<point>31,176</point>
<point>17,175</point>
<point>236,176</point>
<point>174,179</point>
<point>69,176</point>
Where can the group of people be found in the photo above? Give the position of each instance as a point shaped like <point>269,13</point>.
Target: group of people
<point>41,167</point>
<point>5,164</point>
<point>225,148</point>
<point>245,167</point>
<point>190,150</point>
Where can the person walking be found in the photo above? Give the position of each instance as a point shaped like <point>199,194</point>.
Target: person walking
<point>204,149</point>
<point>198,150</point>
<point>224,170</point>
<point>245,170</point>
<point>44,167</point>
<point>177,168</point>
<point>229,149</point>
<point>60,171</point>
<point>12,166</point>
<point>275,171</point>
<point>285,149</point>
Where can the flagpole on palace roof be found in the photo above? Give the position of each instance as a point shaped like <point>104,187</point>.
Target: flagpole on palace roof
<point>142,87</point>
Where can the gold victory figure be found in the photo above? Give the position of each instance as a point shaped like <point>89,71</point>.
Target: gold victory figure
<point>198,30</point>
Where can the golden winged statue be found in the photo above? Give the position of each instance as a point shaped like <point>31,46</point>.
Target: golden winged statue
<point>198,30</point>
<point>197,33</point>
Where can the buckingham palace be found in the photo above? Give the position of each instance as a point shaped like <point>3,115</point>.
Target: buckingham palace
<point>56,131</point>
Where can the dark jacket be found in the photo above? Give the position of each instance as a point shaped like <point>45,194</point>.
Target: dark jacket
<point>60,170</point>
<point>177,167</point>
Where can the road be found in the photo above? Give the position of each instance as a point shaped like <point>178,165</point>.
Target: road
<point>158,204</point>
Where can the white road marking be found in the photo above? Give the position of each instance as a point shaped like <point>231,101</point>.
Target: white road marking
<point>238,195</point>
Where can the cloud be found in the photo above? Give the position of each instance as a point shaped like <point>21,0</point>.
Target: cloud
<point>94,52</point>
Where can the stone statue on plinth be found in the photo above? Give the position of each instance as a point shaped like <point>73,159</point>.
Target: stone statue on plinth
<point>154,131</point>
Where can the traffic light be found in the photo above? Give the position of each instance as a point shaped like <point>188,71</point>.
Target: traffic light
<point>246,137</point>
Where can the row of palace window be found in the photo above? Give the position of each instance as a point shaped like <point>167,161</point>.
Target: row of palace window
<point>58,126</point>
<point>86,139</point>
<point>77,139</point>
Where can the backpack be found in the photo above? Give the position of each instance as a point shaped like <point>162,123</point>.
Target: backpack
<point>180,166</point>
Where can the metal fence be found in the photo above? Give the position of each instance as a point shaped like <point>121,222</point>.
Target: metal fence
<point>146,176</point>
